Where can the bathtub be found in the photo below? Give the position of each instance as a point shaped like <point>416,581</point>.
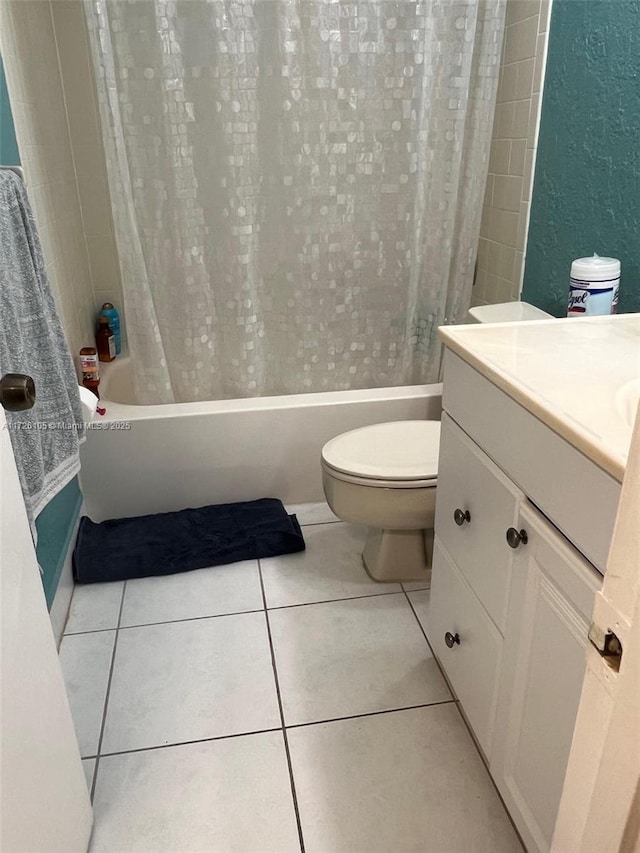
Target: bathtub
<point>145,459</point>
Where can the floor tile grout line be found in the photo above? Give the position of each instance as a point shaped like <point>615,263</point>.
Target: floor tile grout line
<point>265,731</point>
<point>332,600</point>
<point>371,714</point>
<point>237,613</point>
<point>294,795</point>
<point>420,625</point>
<point>108,693</point>
<point>183,743</point>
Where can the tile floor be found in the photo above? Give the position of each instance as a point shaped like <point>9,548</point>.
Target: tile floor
<point>271,706</point>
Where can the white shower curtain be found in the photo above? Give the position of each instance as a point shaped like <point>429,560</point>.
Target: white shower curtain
<point>296,185</point>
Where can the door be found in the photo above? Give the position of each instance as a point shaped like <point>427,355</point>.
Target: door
<point>552,595</point>
<point>44,800</point>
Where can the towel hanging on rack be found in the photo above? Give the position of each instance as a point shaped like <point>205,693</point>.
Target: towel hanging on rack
<point>46,438</point>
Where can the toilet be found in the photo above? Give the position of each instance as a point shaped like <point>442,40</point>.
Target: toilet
<point>384,477</point>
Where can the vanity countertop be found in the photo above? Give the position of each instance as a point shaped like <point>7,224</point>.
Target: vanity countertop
<point>580,376</point>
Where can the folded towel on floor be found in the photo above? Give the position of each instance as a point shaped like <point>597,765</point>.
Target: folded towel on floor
<point>171,542</point>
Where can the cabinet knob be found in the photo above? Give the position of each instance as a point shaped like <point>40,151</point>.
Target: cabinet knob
<point>515,538</point>
<point>17,392</point>
<point>451,639</point>
<point>460,516</point>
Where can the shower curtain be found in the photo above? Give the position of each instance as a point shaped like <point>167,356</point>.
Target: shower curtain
<point>296,185</point>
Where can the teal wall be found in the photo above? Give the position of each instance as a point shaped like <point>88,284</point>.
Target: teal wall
<point>8,146</point>
<point>56,522</point>
<point>55,526</point>
<point>586,195</point>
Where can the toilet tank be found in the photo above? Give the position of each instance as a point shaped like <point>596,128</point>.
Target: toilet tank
<point>506,312</point>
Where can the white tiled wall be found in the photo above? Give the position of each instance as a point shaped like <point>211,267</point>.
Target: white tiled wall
<point>44,47</point>
<point>505,214</point>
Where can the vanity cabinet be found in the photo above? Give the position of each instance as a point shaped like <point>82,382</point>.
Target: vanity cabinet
<point>511,597</point>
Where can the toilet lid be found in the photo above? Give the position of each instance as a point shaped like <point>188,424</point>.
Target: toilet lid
<point>401,450</point>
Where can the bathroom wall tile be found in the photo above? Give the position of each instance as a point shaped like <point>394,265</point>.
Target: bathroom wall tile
<point>239,798</point>
<point>95,205</point>
<point>436,805</point>
<point>541,58</point>
<point>94,607</point>
<point>515,126</point>
<point>520,126</point>
<point>545,14</point>
<point>518,10</point>
<point>483,253</point>
<point>507,192</point>
<point>503,123</point>
<point>221,682</point>
<point>86,661</point>
<point>323,674</point>
<point>192,595</point>
<point>525,79</point>
<point>507,261</point>
<point>330,568</point>
<point>521,39</point>
<point>499,158</point>
<point>517,157</point>
<point>508,83</point>
<point>105,273</point>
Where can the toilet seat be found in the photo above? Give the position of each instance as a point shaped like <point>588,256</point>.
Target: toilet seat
<point>396,455</point>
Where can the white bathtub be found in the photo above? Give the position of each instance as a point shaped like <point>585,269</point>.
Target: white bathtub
<point>191,454</point>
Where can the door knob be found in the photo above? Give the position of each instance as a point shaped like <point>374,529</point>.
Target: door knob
<point>451,639</point>
<point>460,516</point>
<point>515,538</point>
<point>17,392</point>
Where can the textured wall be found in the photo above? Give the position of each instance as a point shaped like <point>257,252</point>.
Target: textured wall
<point>586,195</point>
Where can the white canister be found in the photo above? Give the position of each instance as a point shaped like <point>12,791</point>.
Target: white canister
<point>593,287</point>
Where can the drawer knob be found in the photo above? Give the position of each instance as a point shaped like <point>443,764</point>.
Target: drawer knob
<point>460,516</point>
<point>451,639</point>
<point>515,538</point>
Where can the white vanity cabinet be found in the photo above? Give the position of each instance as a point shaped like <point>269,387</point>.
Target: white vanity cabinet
<point>543,665</point>
<point>511,597</point>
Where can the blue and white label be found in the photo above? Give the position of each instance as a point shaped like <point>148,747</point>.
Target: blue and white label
<point>592,298</point>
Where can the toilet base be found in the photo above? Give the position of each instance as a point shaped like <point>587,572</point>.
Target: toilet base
<point>393,556</point>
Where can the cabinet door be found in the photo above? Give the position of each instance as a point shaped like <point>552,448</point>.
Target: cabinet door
<point>550,605</point>
<point>469,482</point>
<point>472,662</point>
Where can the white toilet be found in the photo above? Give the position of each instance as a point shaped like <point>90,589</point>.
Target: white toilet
<point>384,476</point>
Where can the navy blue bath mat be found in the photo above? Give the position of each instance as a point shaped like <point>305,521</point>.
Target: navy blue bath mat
<point>171,542</point>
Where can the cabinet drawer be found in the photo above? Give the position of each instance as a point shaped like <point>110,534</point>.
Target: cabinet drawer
<point>469,481</point>
<point>473,665</point>
<point>569,488</point>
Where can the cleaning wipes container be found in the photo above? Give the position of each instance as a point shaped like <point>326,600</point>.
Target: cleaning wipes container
<point>593,287</point>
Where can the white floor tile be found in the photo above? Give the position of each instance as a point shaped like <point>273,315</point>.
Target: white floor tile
<point>330,568</point>
<point>318,513</point>
<point>406,781</point>
<point>221,796</point>
<point>86,661</point>
<point>94,606</point>
<point>184,681</point>
<point>352,657</point>
<point>89,765</point>
<point>420,602</point>
<point>412,586</point>
<point>204,592</point>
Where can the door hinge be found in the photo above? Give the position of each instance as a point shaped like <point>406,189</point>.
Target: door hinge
<point>607,644</point>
